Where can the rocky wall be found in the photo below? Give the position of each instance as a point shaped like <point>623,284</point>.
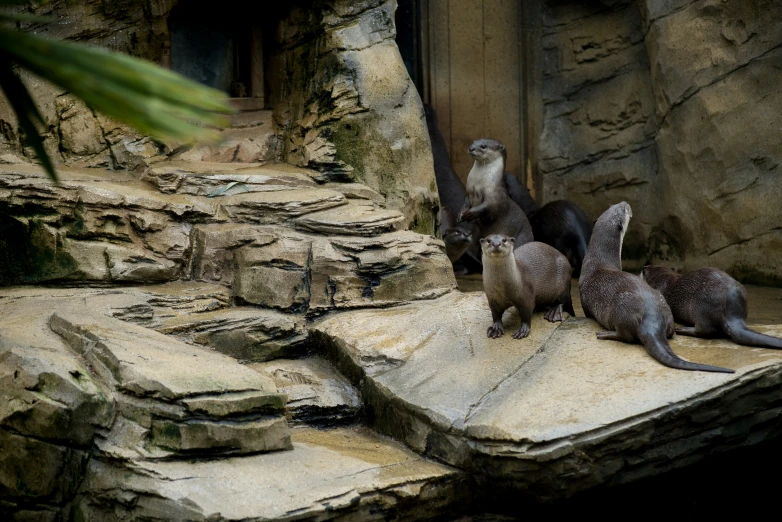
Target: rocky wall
<point>343,102</point>
<point>672,107</point>
<point>597,146</point>
<point>346,106</point>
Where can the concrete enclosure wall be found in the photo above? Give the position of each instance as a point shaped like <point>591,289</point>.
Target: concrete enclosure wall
<point>673,106</point>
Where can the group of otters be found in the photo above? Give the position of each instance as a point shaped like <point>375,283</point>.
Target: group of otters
<point>528,254</point>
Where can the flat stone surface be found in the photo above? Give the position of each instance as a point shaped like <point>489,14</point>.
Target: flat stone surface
<point>145,363</point>
<point>317,393</point>
<point>556,412</point>
<point>352,219</point>
<point>274,207</point>
<point>213,179</point>
<point>244,333</point>
<point>347,472</point>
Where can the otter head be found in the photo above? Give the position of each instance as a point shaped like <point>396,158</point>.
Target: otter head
<point>659,277</point>
<point>608,233</point>
<point>497,246</point>
<point>487,150</point>
<point>456,240</point>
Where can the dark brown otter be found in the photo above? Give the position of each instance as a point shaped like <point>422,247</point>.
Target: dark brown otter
<point>487,200</point>
<point>709,302</point>
<point>452,193</point>
<point>561,223</point>
<point>629,309</point>
<point>534,276</point>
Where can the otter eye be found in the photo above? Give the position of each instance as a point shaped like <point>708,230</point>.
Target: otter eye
<point>483,146</point>
<point>504,241</point>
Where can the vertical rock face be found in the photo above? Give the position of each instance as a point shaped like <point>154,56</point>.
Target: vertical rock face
<point>715,71</point>
<point>597,146</point>
<point>342,102</point>
<point>670,106</point>
<point>347,107</point>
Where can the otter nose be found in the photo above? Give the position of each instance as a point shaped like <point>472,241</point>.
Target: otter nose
<point>496,243</point>
<point>472,148</point>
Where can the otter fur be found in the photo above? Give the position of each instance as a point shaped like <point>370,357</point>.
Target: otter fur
<point>626,306</point>
<point>452,193</point>
<point>709,302</point>
<point>533,276</point>
<point>487,200</point>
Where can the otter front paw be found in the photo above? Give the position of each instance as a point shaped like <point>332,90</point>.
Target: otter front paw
<point>468,215</point>
<point>522,332</point>
<point>495,331</point>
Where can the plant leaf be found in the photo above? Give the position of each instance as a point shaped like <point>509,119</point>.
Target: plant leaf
<point>26,113</point>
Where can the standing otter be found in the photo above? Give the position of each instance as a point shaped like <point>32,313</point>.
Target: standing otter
<point>451,192</point>
<point>709,302</point>
<point>487,198</point>
<point>624,304</point>
<point>533,276</point>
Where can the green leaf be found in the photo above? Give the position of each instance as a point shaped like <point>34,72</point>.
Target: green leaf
<point>26,112</point>
<point>154,100</point>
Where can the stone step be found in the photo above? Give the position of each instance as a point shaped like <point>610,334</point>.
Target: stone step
<point>317,394</point>
<point>290,271</point>
<point>346,473</point>
<point>557,412</point>
<point>190,399</point>
<point>212,179</point>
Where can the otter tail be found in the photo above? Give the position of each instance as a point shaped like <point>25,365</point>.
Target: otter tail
<point>738,331</point>
<point>657,346</point>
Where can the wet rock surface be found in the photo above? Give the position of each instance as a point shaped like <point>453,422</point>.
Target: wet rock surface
<point>338,473</point>
<point>554,413</point>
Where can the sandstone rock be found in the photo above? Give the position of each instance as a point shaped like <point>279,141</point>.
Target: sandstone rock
<point>351,219</point>
<point>347,107</point>
<point>244,333</point>
<point>293,271</point>
<point>317,393</point>
<point>205,179</point>
<point>168,388</point>
<point>94,225</point>
<point>552,414</point>
<point>336,473</point>
<point>275,207</point>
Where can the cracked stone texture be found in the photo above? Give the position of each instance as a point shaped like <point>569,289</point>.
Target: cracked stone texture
<point>347,108</point>
<point>554,413</point>
<point>668,105</point>
<point>335,75</point>
<point>317,393</point>
<point>597,145</point>
<point>59,409</point>
<point>291,271</point>
<point>108,227</point>
<point>715,76</point>
<point>346,473</point>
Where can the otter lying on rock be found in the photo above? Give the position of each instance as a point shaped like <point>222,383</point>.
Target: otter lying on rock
<point>487,200</point>
<point>629,309</point>
<point>534,276</point>
<point>709,302</point>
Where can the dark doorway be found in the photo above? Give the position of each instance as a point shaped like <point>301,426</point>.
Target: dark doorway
<point>220,48</point>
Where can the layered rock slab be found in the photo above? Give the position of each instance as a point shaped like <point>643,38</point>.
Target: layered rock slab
<point>342,473</point>
<point>557,412</point>
<point>182,394</point>
<point>317,393</point>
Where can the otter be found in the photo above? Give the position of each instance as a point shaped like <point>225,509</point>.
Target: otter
<point>561,223</point>
<point>709,302</point>
<point>451,192</point>
<point>487,199</point>
<point>533,276</point>
<point>623,303</point>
